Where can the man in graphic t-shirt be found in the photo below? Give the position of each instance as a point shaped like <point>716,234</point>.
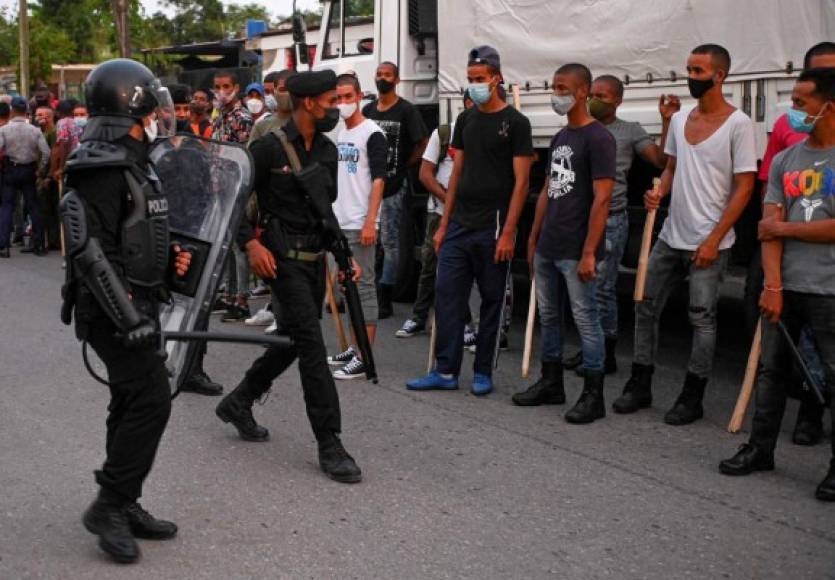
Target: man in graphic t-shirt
<point>711,160</point>
<point>477,234</point>
<point>361,176</point>
<point>407,136</point>
<point>567,242</point>
<point>798,253</point>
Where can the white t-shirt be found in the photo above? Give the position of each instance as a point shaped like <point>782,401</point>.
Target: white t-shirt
<point>362,159</point>
<point>704,179</point>
<point>444,170</point>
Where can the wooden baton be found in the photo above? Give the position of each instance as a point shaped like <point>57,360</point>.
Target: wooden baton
<point>337,320</point>
<point>646,244</point>
<point>430,362</point>
<point>748,382</point>
<point>526,356</point>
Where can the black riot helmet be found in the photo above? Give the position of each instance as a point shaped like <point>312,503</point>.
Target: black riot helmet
<point>128,89</point>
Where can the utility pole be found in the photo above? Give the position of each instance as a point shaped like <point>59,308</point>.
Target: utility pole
<point>120,18</point>
<point>23,21</point>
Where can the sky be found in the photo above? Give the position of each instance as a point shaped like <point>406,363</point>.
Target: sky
<point>277,7</point>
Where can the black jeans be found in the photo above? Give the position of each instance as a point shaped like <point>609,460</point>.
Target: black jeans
<point>17,178</point>
<point>818,311</point>
<point>140,405</point>
<point>299,288</point>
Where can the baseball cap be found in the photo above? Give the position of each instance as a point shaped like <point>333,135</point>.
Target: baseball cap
<point>485,55</point>
<point>19,104</point>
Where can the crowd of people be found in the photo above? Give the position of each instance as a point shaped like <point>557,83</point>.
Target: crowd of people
<point>476,171</point>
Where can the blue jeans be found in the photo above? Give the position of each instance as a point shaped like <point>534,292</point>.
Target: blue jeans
<point>667,267</point>
<point>550,297</point>
<point>19,178</point>
<point>390,216</point>
<point>467,255</point>
<point>617,232</point>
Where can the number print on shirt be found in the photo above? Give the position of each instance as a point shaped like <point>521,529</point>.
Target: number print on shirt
<point>350,155</point>
<point>562,174</point>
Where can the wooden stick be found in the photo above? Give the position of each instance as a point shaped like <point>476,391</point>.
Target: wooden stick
<point>646,244</point>
<point>517,98</point>
<point>526,356</point>
<point>430,362</point>
<point>748,383</point>
<point>337,320</point>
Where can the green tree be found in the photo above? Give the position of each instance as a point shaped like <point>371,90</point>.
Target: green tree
<point>237,15</point>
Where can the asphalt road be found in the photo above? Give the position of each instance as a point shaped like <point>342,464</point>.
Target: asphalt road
<point>455,486</point>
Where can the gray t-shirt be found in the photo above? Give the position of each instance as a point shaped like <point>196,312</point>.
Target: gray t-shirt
<point>802,179</point>
<point>631,139</point>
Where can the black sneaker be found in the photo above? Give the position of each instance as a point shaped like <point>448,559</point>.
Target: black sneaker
<point>220,305</point>
<point>145,526</point>
<point>353,370</point>
<point>109,522</point>
<point>236,313</point>
<point>410,328</point>
<point>336,463</point>
<point>343,358</point>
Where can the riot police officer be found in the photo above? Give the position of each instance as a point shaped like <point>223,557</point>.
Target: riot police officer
<point>291,260</point>
<point>116,231</point>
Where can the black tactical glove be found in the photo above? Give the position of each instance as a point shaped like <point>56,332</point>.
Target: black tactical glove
<point>143,335</point>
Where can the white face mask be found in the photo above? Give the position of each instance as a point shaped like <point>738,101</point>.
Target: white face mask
<point>271,103</point>
<point>347,110</point>
<point>152,131</point>
<point>255,106</point>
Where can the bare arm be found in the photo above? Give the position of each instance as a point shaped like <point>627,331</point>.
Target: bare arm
<point>417,153</point>
<point>597,227</point>
<point>817,232</point>
<point>708,250</point>
<point>538,220</point>
<point>368,235</point>
<point>429,180</point>
<point>449,205</point>
<point>653,200</point>
<point>507,239</point>
<point>771,299</point>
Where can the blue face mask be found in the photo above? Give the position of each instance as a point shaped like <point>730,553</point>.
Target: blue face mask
<point>80,121</point>
<point>797,120</point>
<point>479,92</point>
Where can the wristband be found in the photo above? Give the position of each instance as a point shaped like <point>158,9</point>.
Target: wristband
<point>771,289</point>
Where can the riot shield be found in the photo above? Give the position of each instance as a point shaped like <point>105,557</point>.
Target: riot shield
<point>208,184</point>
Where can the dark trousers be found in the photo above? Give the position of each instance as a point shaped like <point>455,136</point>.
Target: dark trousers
<point>818,311</point>
<point>468,255</point>
<point>299,288</point>
<point>140,405</point>
<point>428,266</point>
<point>19,178</point>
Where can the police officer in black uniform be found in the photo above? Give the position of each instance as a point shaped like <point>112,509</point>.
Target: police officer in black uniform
<point>116,231</point>
<point>291,260</point>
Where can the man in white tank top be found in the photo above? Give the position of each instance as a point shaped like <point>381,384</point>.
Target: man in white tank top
<point>711,163</point>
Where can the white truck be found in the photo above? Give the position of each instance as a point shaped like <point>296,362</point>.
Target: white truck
<point>643,43</point>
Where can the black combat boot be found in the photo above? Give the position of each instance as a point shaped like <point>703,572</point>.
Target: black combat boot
<point>748,459</point>
<point>384,305</point>
<point>335,461</point>
<point>108,520</point>
<point>548,390</point>
<point>826,489</point>
<point>688,406</point>
<point>236,408</point>
<point>200,383</point>
<point>637,393</point>
<point>145,526</point>
<point>809,427</point>
<point>590,406</point>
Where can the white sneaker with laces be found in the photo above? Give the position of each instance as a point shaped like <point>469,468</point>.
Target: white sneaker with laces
<point>410,328</point>
<point>355,369</point>
<point>343,358</point>
<point>261,318</point>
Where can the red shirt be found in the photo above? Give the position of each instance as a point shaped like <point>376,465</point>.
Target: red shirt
<point>782,137</point>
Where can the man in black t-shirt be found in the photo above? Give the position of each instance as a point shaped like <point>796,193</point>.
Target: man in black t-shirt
<point>407,137</point>
<point>567,242</point>
<point>476,236</point>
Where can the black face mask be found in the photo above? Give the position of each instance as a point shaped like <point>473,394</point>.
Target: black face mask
<point>327,123</point>
<point>384,86</point>
<point>699,87</point>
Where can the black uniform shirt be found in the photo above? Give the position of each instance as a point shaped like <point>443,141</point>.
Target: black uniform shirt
<point>279,193</point>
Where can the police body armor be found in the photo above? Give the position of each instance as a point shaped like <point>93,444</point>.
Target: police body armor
<point>144,239</point>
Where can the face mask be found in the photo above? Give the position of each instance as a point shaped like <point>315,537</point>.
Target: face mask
<point>197,108</point>
<point>384,86</point>
<point>327,123</point>
<point>797,120</point>
<point>479,92</point>
<point>271,103</point>
<point>600,109</point>
<point>347,110</point>
<point>225,98</point>
<point>699,87</point>
<point>80,122</point>
<point>255,106</point>
<point>151,131</point>
<point>562,103</point>
<point>284,102</point>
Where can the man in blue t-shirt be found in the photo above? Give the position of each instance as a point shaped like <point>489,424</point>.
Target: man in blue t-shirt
<point>567,243</point>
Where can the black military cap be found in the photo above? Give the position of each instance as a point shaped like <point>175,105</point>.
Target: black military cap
<point>484,55</point>
<point>311,84</point>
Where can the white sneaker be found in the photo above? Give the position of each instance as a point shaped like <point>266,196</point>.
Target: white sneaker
<point>343,358</point>
<point>355,369</point>
<point>271,328</point>
<point>410,328</point>
<point>261,318</point>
